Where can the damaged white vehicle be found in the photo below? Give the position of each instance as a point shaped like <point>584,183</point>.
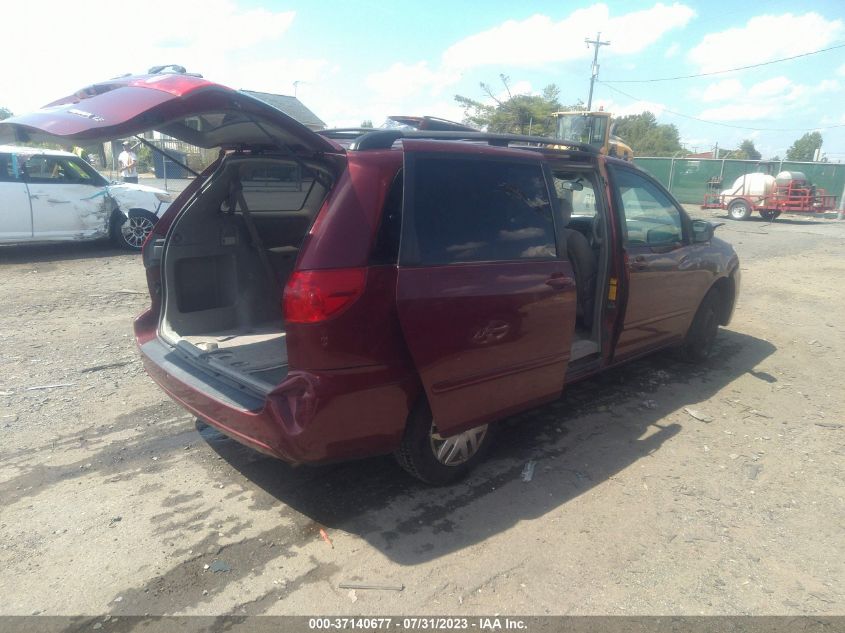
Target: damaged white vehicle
<point>52,196</point>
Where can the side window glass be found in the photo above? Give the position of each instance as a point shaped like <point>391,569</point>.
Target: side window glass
<point>386,247</point>
<point>469,210</point>
<point>74,172</point>
<point>651,219</point>
<point>54,170</point>
<point>8,172</point>
<point>47,169</point>
<point>575,192</point>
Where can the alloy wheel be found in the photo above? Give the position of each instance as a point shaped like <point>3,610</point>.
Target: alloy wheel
<point>136,229</point>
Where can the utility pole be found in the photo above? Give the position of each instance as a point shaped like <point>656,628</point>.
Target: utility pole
<point>595,70</point>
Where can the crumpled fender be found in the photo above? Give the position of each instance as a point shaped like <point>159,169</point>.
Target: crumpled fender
<point>114,204</point>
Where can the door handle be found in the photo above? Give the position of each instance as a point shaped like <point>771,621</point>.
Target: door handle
<point>559,281</point>
<point>37,195</point>
<point>54,201</point>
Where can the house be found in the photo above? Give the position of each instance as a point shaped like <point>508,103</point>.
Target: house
<point>291,106</point>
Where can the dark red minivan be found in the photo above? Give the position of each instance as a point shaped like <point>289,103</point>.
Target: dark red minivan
<point>329,296</point>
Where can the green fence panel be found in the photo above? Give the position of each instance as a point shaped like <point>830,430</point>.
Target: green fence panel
<point>657,167</point>
<point>690,178</point>
<point>737,168</point>
<point>687,178</point>
<point>829,176</point>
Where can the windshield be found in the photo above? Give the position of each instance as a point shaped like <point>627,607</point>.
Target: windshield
<point>582,128</point>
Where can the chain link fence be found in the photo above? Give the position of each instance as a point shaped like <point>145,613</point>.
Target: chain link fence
<point>687,178</point>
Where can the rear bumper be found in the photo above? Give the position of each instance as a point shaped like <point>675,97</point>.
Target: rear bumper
<point>310,417</point>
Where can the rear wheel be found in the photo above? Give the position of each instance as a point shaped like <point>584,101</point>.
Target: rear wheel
<point>739,209</point>
<point>435,459</point>
<point>698,345</point>
<point>769,216</point>
<point>131,232</point>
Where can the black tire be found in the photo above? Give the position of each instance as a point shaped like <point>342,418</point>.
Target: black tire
<point>698,345</point>
<point>130,233</point>
<point>769,216</point>
<point>416,454</point>
<point>739,209</point>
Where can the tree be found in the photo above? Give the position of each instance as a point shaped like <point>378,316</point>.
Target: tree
<point>5,113</point>
<point>517,114</point>
<point>805,147</point>
<point>747,150</point>
<point>367,123</point>
<point>646,136</point>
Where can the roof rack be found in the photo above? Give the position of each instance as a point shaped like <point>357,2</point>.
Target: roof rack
<point>345,132</point>
<point>384,139</point>
<point>432,124</point>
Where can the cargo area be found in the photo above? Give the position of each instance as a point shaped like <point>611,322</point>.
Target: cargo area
<point>227,259</point>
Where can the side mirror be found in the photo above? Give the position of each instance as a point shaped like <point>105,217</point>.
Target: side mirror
<point>702,231</point>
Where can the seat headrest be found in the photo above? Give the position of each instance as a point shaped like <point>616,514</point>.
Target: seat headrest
<point>564,206</point>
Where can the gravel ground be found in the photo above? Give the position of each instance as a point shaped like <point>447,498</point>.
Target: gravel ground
<point>660,488</point>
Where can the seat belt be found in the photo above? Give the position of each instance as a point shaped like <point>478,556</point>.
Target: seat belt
<point>236,198</point>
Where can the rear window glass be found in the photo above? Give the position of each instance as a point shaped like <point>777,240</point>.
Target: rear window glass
<point>469,210</point>
<point>276,186</point>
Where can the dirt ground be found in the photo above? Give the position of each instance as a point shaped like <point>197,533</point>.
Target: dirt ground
<point>660,488</point>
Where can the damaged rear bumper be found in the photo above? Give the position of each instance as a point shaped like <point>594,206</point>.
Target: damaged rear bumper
<point>311,417</point>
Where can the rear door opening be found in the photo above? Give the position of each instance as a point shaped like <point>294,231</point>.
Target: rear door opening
<point>233,246</point>
<point>486,302</point>
<point>227,259</point>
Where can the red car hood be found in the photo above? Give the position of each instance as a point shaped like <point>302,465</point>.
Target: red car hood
<point>185,107</point>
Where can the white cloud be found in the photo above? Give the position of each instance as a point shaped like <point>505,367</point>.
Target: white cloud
<point>841,70</point>
<point>774,87</point>
<point>740,112</point>
<point>766,99</point>
<point>828,85</point>
<point>521,88</point>
<point>540,40</point>
<point>720,91</point>
<point>637,107</point>
<point>673,50</point>
<point>219,40</point>
<point>420,87</point>
<point>763,38</point>
<point>408,80</point>
<point>278,75</point>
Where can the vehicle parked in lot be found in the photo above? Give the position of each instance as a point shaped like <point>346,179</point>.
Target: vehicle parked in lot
<point>399,292</point>
<point>53,196</point>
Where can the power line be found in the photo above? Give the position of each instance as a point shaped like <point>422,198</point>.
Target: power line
<point>721,72</point>
<point>736,127</point>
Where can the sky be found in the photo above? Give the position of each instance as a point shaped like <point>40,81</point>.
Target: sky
<point>364,60</point>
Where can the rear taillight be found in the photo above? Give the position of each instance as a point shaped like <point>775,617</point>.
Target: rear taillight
<point>316,295</point>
